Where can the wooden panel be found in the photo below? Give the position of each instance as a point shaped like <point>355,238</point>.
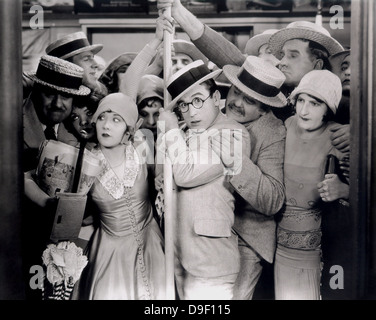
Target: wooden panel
<point>11,176</point>
<point>361,112</point>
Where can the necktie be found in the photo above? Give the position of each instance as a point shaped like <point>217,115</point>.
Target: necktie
<point>49,133</point>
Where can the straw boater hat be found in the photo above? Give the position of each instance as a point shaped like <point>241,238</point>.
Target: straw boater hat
<point>60,75</point>
<point>337,59</point>
<point>150,86</point>
<point>304,30</point>
<point>258,79</point>
<point>72,44</point>
<point>186,78</point>
<point>188,48</point>
<point>321,84</point>
<point>253,44</point>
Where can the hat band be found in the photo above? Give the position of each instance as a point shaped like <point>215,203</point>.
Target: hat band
<point>257,85</point>
<point>58,79</point>
<point>186,80</point>
<point>69,47</point>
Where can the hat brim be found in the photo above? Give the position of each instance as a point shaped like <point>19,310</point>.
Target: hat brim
<point>122,59</point>
<point>147,96</point>
<point>82,91</point>
<point>253,45</point>
<point>278,39</point>
<point>211,75</point>
<point>95,48</point>
<point>231,73</point>
<point>336,60</point>
<point>190,50</point>
<point>312,93</point>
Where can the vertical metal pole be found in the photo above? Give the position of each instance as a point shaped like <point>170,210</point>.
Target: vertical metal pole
<point>168,188</point>
<point>318,20</point>
<point>11,144</point>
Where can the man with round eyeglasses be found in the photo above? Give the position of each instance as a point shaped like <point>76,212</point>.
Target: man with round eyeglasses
<point>207,257</point>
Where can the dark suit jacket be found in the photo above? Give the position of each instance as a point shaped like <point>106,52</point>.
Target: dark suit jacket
<point>33,135</point>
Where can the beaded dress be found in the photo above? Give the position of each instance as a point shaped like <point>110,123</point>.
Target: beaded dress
<point>126,257</point>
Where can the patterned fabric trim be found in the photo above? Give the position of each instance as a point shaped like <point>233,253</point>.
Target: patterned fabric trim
<point>303,240</point>
<point>300,215</point>
<point>111,181</point>
<point>137,232</point>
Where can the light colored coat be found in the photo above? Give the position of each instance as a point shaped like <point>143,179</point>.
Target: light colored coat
<point>205,243</point>
<point>260,183</point>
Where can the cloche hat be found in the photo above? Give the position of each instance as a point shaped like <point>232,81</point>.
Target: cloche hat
<point>120,103</point>
<point>150,86</point>
<point>321,84</point>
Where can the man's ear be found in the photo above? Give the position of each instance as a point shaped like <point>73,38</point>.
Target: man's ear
<point>319,64</point>
<point>217,97</point>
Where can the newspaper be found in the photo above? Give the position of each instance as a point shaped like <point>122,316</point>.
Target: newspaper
<point>56,168</point>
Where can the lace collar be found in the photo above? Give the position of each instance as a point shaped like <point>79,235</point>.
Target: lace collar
<point>110,181</point>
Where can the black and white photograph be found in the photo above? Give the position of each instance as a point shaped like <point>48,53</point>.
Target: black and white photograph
<point>198,154</point>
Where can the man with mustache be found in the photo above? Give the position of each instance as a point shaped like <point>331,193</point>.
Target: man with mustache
<point>259,186</point>
<point>302,46</point>
<point>56,83</point>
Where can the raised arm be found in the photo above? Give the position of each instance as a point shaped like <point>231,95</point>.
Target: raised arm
<point>212,44</point>
<point>130,80</point>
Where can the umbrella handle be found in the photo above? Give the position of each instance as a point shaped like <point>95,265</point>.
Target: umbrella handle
<point>77,172</point>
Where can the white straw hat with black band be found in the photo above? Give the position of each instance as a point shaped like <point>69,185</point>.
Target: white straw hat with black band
<point>258,79</point>
<point>303,30</point>
<point>190,75</point>
<point>72,44</point>
<point>60,75</point>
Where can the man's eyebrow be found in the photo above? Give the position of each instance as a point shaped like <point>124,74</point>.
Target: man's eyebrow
<point>193,95</point>
<point>292,50</point>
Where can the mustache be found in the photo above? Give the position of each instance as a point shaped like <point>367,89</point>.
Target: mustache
<point>56,109</point>
<point>238,109</point>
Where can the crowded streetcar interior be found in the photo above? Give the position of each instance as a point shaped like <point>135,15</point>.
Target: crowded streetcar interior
<point>190,150</point>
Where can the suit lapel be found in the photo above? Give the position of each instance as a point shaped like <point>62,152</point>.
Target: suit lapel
<point>33,130</point>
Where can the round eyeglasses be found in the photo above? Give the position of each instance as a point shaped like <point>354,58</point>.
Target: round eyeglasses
<point>197,103</point>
